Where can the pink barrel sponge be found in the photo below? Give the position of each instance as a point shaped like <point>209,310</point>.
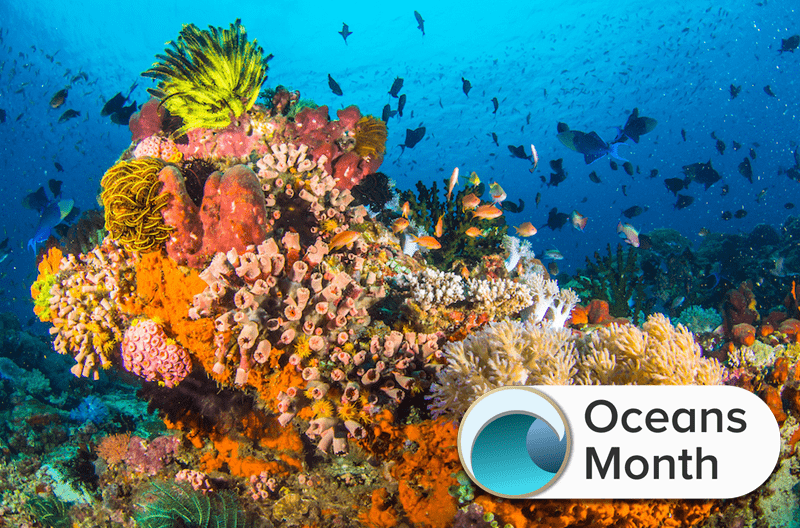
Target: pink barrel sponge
<point>147,352</point>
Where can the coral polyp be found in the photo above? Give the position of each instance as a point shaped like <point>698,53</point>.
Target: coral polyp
<point>209,77</point>
<point>132,202</point>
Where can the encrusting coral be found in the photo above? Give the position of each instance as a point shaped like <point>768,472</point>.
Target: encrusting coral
<point>210,77</point>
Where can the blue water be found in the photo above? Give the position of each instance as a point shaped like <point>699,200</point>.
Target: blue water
<point>587,64</point>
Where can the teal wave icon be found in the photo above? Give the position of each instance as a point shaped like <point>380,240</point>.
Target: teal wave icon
<point>517,454</point>
<point>514,442</point>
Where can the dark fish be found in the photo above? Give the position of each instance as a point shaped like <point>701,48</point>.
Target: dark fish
<point>494,138</point>
<point>552,268</point>
<point>556,220</point>
<point>397,85</point>
<point>345,32</point>
<point>496,104</point>
<point>2,116</point>
<point>753,154</point>
<point>36,200</point>
<point>735,91</point>
<point>613,165</point>
<point>401,104</point>
<point>736,145</point>
<point>768,91</point>
<point>59,98</point>
<point>635,127</point>
<point>746,170</point>
<point>4,251</point>
<point>518,152</point>
<point>741,213</point>
<point>684,201</point>
<point>81,75</point>
<point>55,187</point>
<point>58,166</point>
<point>561,127</point>
<point>788,205</point>
<point>720,146</point>
<point>653,173</point>
<point>625,191</point>
<point>725,189</point>
<point>683,134</point>
<point>113,105</point>
<point>538,198</point>
<point>594,177</point>
<point>702,173</point>
<point>590,145</point>
<point>67,115</point>
<point>123,116</point>
<point>387,113</point>
<point>726,215</point>
<point>675,184</point>
<point>558,175</point>
<point>790,44</point>
<point>413,137</point>
<point>466,86</point>
<point>421,22</point>
<point>628,166</point>
<point>334,86</point>
<point>632,212</point>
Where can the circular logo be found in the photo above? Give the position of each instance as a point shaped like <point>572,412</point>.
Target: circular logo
<point>514,442</point>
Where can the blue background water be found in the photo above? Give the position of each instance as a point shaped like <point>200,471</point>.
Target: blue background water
<point>587,64</point>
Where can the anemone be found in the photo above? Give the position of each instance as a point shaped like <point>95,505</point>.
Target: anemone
<point>209,77</point>
<point>133,204</point>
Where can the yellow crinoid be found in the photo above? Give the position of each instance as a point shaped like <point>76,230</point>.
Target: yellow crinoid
<point>209,77</point>
<point>370,137</point>
<point>133,204</point>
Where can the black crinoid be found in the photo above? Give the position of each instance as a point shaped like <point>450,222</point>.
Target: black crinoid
<point>170,505</point>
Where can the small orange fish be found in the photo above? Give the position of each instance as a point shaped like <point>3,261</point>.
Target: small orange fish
<point>406,210</point>
<point>473,232</point>
<point>526,229</point>
<point>439,229</point>
<point>470,202</point>
<point>487,212</point>
<point>428,242</point>
<point>342,239</point>
<point>399,225</point>
<point>451,185</point>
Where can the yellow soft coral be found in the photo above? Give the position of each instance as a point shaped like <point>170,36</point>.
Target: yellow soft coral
<point>207,78</point>
<point>133,204</point>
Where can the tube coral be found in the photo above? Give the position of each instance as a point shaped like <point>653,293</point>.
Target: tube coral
<point>208,78</point>
<point>133,204</point>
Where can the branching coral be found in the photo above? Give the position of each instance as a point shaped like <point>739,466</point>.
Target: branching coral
<point>503,353</point>
<point>133,204</point>
<point>208,78</point>
<point>514,353</point>
<point>616,279</point>
<point>658,354</point>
